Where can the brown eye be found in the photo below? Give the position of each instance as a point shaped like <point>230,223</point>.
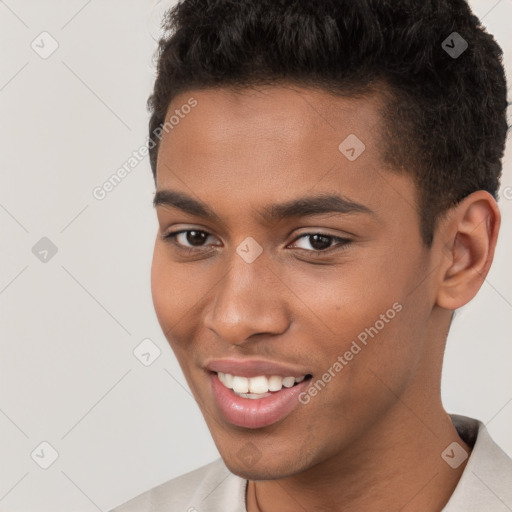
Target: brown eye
<point>322,242</point>
<point>187,239</point>
<point>195,237</point>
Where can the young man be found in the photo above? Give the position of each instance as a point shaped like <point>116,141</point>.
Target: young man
<point>326,175</point>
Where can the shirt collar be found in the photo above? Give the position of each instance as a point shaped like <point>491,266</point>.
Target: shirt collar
<point>486,483</point>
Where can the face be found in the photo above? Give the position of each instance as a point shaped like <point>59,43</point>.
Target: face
<point>334,286</point>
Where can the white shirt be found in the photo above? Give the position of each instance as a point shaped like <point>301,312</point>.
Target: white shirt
<point>485,484</point>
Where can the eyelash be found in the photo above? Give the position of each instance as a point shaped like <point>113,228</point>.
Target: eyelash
<point>342,242</point>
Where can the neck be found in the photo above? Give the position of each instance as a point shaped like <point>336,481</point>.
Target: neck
<point>390,469</point>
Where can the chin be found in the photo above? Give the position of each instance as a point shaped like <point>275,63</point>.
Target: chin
<point>252,473</point>
<point>263,469</point>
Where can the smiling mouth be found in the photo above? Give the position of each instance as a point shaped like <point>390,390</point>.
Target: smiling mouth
<point>260,386</point>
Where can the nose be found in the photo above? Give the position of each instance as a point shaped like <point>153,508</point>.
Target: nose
<point>246,302</point>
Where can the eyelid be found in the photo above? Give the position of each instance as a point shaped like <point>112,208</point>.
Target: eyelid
<point>170,236</point>
<point>341,241</point>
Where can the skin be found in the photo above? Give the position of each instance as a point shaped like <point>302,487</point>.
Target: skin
<point>372,438</point>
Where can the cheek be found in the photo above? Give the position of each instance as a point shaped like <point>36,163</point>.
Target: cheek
<point>339,302</point>
<point>174,293</point>
<point>365,317</point>
<point>179,291</point>
<point>160,284</point>
<point>168,288</point>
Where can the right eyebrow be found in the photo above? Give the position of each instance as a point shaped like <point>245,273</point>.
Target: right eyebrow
<point>301,207</point>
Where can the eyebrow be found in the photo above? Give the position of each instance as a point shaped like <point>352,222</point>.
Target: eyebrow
<point>301,207</point>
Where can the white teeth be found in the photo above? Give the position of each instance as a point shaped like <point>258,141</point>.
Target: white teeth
<point>288,382</point>
<point>257,387</point>
<point>253,396</point>
<point>240,384</point>
<point>275,383</point>
<point>228,380</point>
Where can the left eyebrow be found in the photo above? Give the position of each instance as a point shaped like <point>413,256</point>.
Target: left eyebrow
<point>300,207</point>
<point>313,205</point>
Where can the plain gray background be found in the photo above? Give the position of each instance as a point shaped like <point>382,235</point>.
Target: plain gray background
<point>69,324</point>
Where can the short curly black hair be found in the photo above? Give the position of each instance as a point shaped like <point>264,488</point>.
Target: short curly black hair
<point>445,117</point>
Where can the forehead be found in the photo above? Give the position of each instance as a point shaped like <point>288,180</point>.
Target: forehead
<point>272,144</point>
<point>286,114</point>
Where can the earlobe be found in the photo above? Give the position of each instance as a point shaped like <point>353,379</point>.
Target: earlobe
<point>473,232</point>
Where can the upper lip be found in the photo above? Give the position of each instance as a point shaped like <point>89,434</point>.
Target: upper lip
<point>253,368</point>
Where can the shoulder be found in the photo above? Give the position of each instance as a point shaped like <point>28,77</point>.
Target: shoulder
<point>211,487</point>
<point>486,483</point>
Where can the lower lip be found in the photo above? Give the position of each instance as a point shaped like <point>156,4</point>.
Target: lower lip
<point>259,412</point>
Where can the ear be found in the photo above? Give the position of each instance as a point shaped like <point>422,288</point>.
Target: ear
<point>468,235</point>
